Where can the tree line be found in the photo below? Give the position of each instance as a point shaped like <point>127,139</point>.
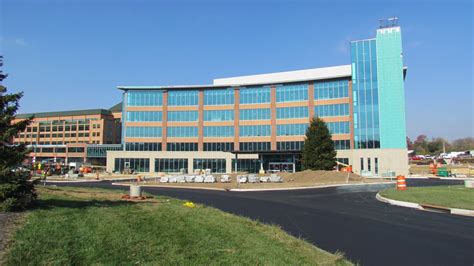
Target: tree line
<point>422,145</point>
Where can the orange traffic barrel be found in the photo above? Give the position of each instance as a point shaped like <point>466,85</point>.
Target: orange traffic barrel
<point>401,183</point>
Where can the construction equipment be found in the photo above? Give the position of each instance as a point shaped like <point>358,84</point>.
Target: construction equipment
<point>343,167</point>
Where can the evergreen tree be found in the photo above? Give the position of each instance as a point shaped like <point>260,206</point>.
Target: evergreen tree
<point>16,190</point>
<point>318,150</point>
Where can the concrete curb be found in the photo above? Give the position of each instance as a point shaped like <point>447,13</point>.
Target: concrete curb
<point>71,181</point>
<point>311,187</point>
<point>463,212</point>
<point>158,186</point>
<point>440,178</point>
<point>259,189</point>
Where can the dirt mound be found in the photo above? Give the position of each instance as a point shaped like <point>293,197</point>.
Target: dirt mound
<point>310,176</point>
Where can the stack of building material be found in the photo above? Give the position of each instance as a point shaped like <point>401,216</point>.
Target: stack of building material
<point>164,179</point>
<point>264,179</point>
<point>209,179</point>
<point>242,179</point>
<point>253,178</point>
<point>180,179</point>
<point>199,179</point>
<point>275,178</point>
<point>225,178</point>
<point>189,178</point>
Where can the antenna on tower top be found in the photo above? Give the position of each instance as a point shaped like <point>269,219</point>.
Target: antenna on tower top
<point>388,22</point>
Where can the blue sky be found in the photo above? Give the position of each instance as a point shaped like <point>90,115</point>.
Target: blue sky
<point>72,54</point>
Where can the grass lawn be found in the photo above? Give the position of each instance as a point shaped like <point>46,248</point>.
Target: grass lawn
<point>447,196</point>
<point>82,226</point>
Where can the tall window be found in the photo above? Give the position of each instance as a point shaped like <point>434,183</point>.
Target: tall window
<point>144,98</point>
<point>365,94</point>
<point>362,164</point>
<point>183,97</point>
<point>292,93</point>
<point>376,162</point>
<point>254,114</point>
<point>249,95</point>
<point>218,97</point>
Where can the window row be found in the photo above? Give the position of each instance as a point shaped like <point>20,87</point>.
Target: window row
<point>182,132</point>
<point>250,95</point>
<point>292,112</point>
<point>219,131</point>
<point>181,146</point>
<point>254,114</point>
<point>180,116</point>
<point>255,146</point>
<point>216,165</point>
<point>331,89</point>
<point>292,93</point>
<point>255,131</point>
<point>246,165</point>
<point>338,127</point>
<point>143,146</point>
<point>344,144</point>
<point>224,146</point>
<point>136,164</point>
<point>143,132</point>
<point>291,129</point>
<point>144,98</point>
<point>218,115</point>
<point>218,97</point>
<point>332,110</point>
<point>183,98</point>
<point>144,116</point>
<point>290,145</point>
<point>100,151</point>
<point>168,165</point>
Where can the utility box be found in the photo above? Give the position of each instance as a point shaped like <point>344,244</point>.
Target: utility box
<point>469,183</point>
<point>135,191</point>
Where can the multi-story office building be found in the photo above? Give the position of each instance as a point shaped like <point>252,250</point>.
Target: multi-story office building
<point>70,136</point>
<point>237,123</point>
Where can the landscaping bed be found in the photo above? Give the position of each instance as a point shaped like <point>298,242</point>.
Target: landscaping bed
<point>458,197</point>
<point>83,226</point>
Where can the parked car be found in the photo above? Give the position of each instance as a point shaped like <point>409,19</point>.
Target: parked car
<point>416,158</point>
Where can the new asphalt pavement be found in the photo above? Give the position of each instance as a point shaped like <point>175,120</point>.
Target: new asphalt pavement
<point>349,220</point>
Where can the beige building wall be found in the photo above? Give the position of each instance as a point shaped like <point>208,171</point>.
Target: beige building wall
<point>388,160</point>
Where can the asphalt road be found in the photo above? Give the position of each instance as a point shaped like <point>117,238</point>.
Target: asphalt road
<point>349,220</point>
